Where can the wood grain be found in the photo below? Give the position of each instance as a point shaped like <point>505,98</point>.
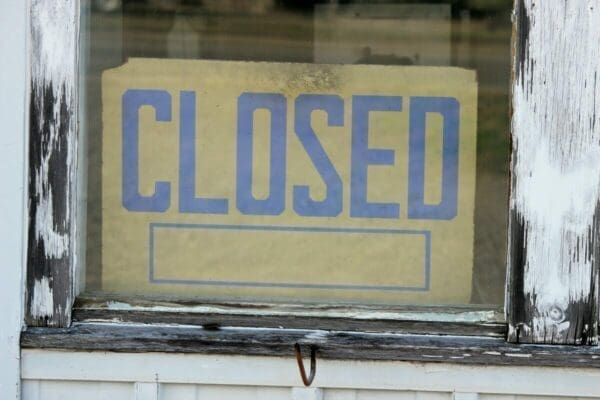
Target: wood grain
<point>329,344</point>
<point>54,31</point>
<point>552,280</point>
<point>468,321</point>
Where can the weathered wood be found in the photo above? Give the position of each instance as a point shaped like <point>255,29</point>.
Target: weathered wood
<point>293,322</point>
<point>329,344</point>
<point>555,190</point>
<point>54,30</point>
<point>467,313</point>
<point>425,320</point>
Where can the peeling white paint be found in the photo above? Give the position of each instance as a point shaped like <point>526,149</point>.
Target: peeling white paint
<point>56,244</point>
<point>492,353</point>
<point>303,311</point>
<point>317,336</point>
<point>42,303</point>
<point>321,337</point>
<point>518,355</point>
<point>53,29</point>
<point>556,148</point>
<point>54,54</point>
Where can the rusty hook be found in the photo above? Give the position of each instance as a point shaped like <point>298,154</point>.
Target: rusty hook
<point>313,364</point>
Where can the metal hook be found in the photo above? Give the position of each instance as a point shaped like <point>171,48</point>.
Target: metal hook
<point>313,364</point>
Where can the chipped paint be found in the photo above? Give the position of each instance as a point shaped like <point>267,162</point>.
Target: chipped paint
<point>42,303</point>
<point>317,336</point>
<point>440,316</point>
<point>556,167</point>
<point>518,355</point>
<point>53,40</point>
<point>56,244</point>
<point>53,70</point>
<point>492,353</point>
<point>52,158</point>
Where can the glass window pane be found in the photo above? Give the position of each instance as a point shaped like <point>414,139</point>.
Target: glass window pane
<point>298,151</point>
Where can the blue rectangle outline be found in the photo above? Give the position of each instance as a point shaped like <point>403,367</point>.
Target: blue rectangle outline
<point>156,225</point>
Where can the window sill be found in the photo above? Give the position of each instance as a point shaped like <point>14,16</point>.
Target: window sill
<point>430,320</point>
<point>341,345</point>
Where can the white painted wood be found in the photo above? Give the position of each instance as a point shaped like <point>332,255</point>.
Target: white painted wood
<point>222,392</point>
<point>282,372</point>
<point>62,390</point>
<point>344,394</point>
<point>555,195</point>
<point>517,397</point>
<point>51,390</point>
<point>146,391</point>
<point>169,391</point>
<point>54,64</point>
<point>52,211</point>
<point>177,391</point>
<point>303,310</point>
<point>307,393</point>
<point>591,396</point>
<point>30,390</point>
<point>340,394</point>
<point>497,397</point>
<point>13,89</point>
<point>431,396</point>
<point>354,394</point>
<point>465,396</point>
<point>400,395</point>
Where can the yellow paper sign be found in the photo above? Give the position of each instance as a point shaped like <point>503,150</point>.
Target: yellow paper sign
<point>287,181</point>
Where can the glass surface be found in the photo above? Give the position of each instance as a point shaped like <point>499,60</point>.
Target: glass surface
<point>298,151</point>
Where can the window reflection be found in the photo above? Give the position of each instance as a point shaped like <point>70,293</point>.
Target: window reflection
<point>472,34</point>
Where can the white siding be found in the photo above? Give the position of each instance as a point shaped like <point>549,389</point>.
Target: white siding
<point>156,376</point>
<point>345,394</point>
<point>58,390</point>
<point>194,392</point>
<point>13,87</point>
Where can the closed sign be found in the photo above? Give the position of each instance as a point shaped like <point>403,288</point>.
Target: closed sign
<point>289,181</point>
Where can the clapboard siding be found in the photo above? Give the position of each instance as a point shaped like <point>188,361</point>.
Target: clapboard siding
<point>156,376</point>
<point>194,392</point>
<point>60,390</point>
<point>93,390</point>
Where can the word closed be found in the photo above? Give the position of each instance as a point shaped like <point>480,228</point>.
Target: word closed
<point>362,156</point>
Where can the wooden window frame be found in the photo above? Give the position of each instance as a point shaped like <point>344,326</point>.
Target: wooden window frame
<point>552,278</point>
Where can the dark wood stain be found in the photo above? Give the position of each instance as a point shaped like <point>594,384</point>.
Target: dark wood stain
<point>52,137</point>
<point>522,308</point>
<point>456,321</point>
<point>518,306</point>
<point>521,40</point>
<point>293,322</point>
<point>329,345</point>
